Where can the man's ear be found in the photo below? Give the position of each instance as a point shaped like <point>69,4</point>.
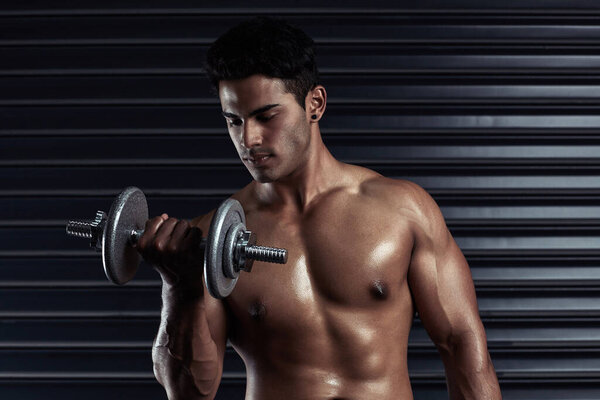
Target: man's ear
<point>316,102</point>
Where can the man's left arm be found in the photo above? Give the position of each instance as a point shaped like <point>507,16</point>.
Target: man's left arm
<point>442,288</point>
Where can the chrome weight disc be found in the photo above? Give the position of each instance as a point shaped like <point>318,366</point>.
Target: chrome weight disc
<point>229,216</point>
<point>128,212</point>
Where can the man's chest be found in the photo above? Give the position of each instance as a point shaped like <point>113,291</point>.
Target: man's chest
<point>347,256</point>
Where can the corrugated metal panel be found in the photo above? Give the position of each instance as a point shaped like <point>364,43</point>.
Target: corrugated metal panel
<point>493,109</point>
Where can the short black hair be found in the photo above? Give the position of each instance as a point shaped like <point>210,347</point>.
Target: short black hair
<point>265,46</point>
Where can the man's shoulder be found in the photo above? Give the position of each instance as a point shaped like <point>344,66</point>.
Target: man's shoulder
<point>203,221</point>
<point>372,183</point>
<point>403,196</point>
<point>399,191</point>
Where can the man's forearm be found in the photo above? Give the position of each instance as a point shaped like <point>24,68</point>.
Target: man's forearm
<point>185,356</point>
<point>470,373</point>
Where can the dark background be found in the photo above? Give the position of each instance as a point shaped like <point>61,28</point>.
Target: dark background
<point>491,106</point>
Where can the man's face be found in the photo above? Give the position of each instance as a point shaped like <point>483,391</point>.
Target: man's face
<point>268,127</point>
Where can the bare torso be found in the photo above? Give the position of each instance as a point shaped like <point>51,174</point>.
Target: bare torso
<point>333,322</point>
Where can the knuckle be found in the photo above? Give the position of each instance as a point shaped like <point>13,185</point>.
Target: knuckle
<point>144,241</point>
<point>181,226</point>
<point>169,225</point>
<point>172,248</point>
<point>159,246</point>
<point>152,222</point>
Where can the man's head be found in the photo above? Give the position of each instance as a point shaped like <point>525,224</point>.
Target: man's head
<point>265,46</point>
<point>266,77</point>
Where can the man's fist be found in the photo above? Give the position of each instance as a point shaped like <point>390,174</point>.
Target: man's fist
<point>172,246</point>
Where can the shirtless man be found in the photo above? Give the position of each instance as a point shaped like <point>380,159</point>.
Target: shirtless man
<point>364,253</point>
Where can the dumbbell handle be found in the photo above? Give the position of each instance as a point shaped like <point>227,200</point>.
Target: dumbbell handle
<point>136,234</point>
<point>258,253</point>
<point>86,229</point>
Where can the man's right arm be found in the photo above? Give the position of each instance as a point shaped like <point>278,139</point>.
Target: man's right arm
<point>189,348</point>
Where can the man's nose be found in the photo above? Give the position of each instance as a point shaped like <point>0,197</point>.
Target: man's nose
<point>252,135</point>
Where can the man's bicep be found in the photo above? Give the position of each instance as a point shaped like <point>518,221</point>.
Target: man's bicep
<point>216,314</point>
<point>440,279</point>
<point>215,309</point>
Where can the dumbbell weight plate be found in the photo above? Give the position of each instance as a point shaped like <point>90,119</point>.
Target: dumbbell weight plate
<point>230,215</point>
<point>128,212</point>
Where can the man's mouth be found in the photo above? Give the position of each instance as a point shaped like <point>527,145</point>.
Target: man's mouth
<point>259,159</point>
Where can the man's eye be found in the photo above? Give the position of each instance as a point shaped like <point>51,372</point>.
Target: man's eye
<point>263,118</point>
<point>235,122</point>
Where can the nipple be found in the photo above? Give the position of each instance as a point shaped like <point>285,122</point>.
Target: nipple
<point>379,290</point>
<point>257,311</point>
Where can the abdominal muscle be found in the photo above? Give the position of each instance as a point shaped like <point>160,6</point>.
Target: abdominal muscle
<point>305,381</point>
<point>308,384</point>
<point>345,353</point>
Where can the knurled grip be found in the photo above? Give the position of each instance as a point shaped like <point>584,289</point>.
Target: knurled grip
<point>267,254</point>
<point>252,252</point>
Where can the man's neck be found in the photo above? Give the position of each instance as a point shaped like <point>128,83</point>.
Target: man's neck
<point>321,173</point>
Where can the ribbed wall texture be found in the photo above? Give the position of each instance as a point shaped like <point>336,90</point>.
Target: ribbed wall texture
<point>493,110</point>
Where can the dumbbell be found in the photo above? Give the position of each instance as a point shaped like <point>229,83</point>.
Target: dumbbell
<point>228,248</point>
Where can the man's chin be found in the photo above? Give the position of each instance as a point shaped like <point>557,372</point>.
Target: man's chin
<point>261,178</point>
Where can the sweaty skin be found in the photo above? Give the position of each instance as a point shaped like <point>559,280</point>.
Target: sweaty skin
<point>364,253</point>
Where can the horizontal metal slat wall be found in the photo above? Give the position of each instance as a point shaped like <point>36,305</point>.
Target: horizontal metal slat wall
<point>494,110</point>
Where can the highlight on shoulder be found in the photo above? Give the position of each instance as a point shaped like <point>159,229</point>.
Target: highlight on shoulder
<point>397,190</point>
<point>404,196</point>
<point>428,214</point>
